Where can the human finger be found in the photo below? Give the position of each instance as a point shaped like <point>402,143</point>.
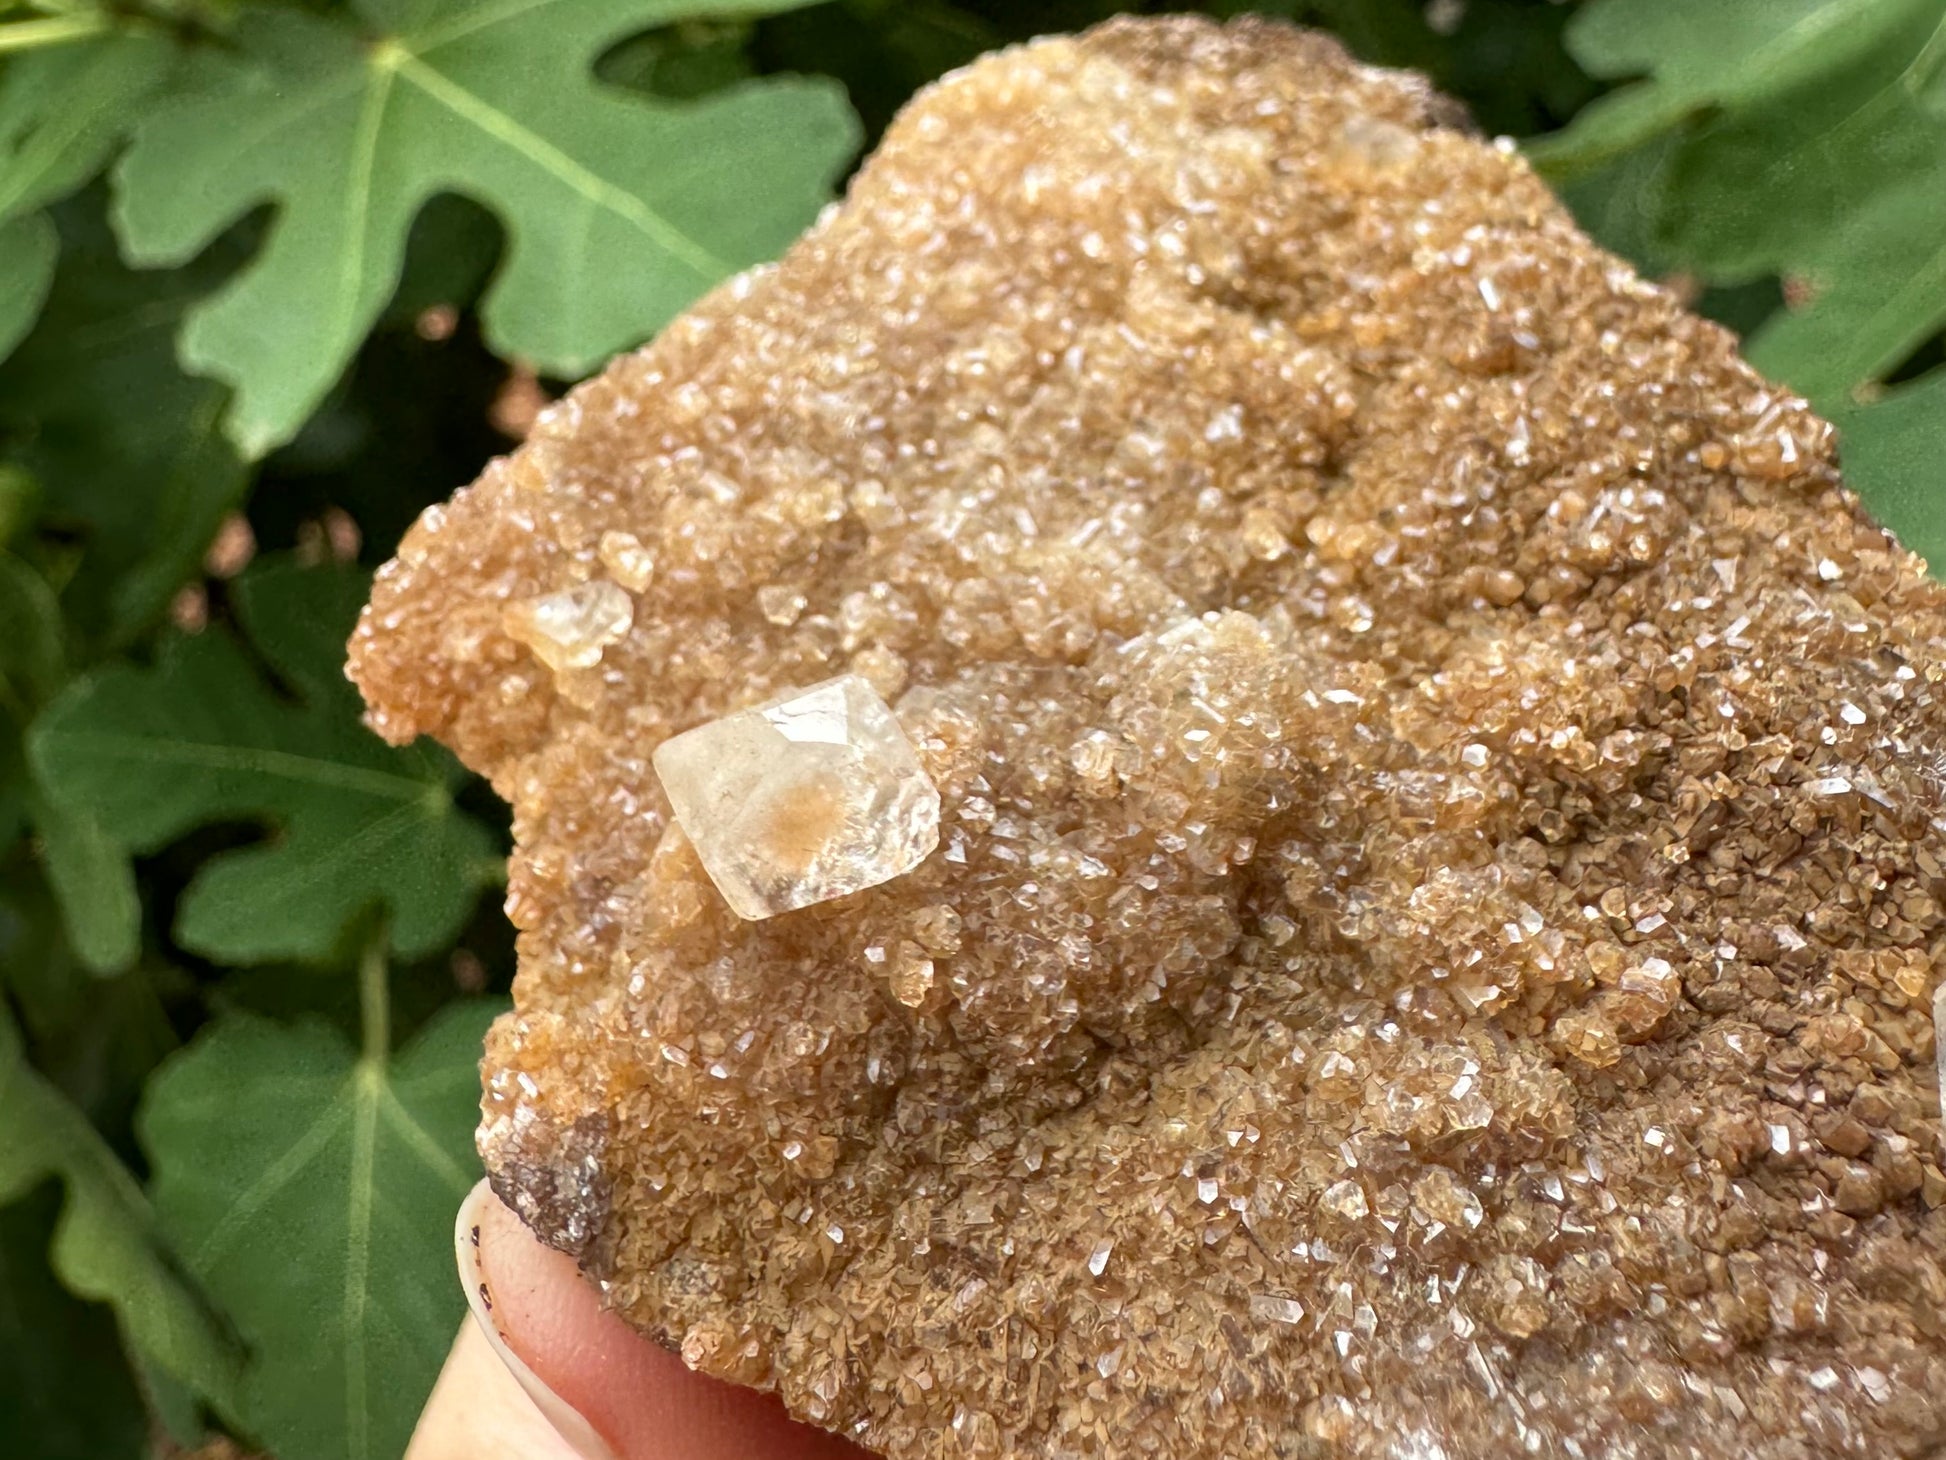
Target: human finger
<point>609,1392</point>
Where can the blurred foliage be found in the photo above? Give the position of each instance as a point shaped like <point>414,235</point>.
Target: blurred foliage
<point>64,1390</point>
<point>201,736</point>
<point>307,1183</point>
<point>275,276</point>
<point>621,208</point>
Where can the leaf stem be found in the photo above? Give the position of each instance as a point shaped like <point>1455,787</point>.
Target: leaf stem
<point>375,1001</point>
<point>27,35</point>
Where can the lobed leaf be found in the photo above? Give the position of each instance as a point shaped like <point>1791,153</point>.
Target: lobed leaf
<point>33,662</point>
<point>1695,58</point>
<point>1877,291</point>
<point>619,209</point>
<point>202,737</point>
<point>313,1190</point>
<point>105,1247</point>
<point>1840,185</point>
<point>91,876</point>
<point>63,110</point>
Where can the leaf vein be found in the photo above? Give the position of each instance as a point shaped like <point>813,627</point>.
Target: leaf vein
<point>51,139</point>
<point>558,164</point>
<point>422,1144</point>
<point>313,870</point>
<point>479,19</point>
<point>368,1090</point>
<point>273,1179</point>
<point>256,760</point>
<point>364,163</point>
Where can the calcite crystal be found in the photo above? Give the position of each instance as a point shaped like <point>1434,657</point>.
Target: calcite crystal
<point>1432,944</point>
<point>816,795</point>
<point>571,628</point>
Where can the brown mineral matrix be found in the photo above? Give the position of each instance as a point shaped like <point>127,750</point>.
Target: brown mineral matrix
<point>1441,870</point>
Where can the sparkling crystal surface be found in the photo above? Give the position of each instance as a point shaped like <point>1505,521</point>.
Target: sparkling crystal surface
<point>814,795</point>
<point>1433,940</point>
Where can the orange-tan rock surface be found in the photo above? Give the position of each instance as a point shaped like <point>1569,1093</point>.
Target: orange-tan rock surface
<point>1431,939</point>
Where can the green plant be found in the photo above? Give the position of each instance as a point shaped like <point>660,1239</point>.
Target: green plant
<point>270,274</point>
<point>1802,141</point>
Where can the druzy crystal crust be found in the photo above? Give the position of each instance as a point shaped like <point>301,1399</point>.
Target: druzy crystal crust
<point>1441,877</point>
<point>814,795</point>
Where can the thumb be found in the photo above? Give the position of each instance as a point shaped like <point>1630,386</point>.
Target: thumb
<point>542,1372</point>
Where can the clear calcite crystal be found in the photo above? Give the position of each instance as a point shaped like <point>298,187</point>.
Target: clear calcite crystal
<point>569,629</point>
<point>1441,882</point>
<point>814,795</point>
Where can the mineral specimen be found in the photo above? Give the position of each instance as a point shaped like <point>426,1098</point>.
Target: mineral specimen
<point>813,796</point>
<point>1432,946</point>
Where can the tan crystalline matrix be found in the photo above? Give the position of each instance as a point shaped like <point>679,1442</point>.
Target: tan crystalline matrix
<point>1430,951</point>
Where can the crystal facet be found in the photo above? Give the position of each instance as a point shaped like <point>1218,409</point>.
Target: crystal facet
<point>569,629</point>
<point>816,794</point>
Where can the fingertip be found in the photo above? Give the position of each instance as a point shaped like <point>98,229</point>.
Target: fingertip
<point>633,1397</point>
<point>523,1297</point>
<point>478,1411</point>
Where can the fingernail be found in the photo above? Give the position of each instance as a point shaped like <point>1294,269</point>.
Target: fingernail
<point>567,1422</point>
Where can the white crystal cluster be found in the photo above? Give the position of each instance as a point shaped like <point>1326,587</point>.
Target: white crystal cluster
<point>814,795</point>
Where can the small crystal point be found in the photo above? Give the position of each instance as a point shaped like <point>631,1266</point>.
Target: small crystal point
<point>622,554</point>
<point>569,629</point>
<point>814,795</point>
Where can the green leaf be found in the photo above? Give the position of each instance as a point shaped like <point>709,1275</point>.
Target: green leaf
<point>28,247</point>
<point>63,109</point>
<point>176,1415</point>
<point>684,61</point>
<point>65,1389</point>
<point>620,209</point>
<point>32,660</point>
<point>93,883</point>
<point>313,1188</point>
<point>1803,140</point>
<point>1723,54</point>
<point>1620,204</point>
<point>105,1247</point>
<point>32,667</point>
<point>202,737</point>
<point>90,874</point>
<point>1878,291</point>
<point>1840,185</point>
<point>126,449</point>
<point>1894,454</point>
